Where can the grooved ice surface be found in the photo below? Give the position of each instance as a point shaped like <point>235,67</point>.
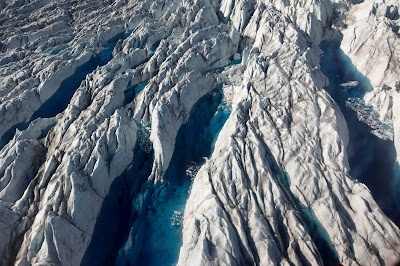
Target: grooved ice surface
<point>274,186</point>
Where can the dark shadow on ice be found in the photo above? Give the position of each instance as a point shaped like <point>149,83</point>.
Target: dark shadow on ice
<point>372,160</point>
<point>131,93</point>
<point>313,226</point>
<point>156,233</point>
<point>116,216</point>
<point>59,101</point>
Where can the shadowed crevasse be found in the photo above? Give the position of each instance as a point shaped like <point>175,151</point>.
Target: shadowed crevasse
<point>372,160</point>
<point>116,216</point>
<point>314,227</point>
<point>59,101</point>
<point>158,227</point>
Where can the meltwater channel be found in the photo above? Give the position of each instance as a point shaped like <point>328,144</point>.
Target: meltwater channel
<point>160,231</point>
<point>137,229</point>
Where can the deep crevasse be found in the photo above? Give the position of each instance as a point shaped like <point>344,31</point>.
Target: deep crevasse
<point>61,98</point>
<point>372,160</point>
<point>278,165</point>
<point>160,229</point>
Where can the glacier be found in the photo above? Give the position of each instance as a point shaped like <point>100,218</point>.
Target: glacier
<point>199,132</point>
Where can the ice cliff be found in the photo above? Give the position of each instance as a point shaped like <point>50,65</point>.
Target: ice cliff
<point>85,83</point>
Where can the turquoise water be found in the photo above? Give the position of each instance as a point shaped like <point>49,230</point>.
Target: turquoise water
<point>117,212</point>
<point>372,160</point>
<point>132,92</point>
<point>54,51</point>
<point>155,225</point>
<point>154,47</point>
<point>137,219</point>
